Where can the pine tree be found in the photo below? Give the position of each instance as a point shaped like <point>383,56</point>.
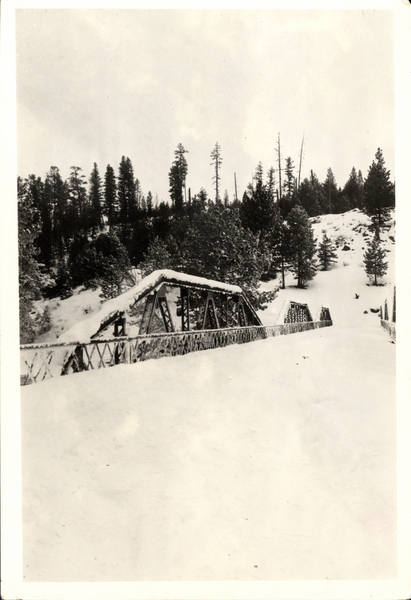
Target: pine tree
<point>318,192</point>
<point>379,195</point>
<point>289,182</point>
<point>62,222</point>
<point>63,287</point>
<point>30,280</point>
<point>326,253</point>
<point>353,190</point>
<point>110,196</point>
<point>302,246</point>
<point>139,193</point>
<point>102,260</point>
<point>217,161</point>
<point>199,202</point>
<point>216,246</point>
<point>157,257</point>
<point>177,178</point>
<point>95,201</point>
<point>258,181</point>
<point>330,193</point>
<point>374,263</point>
<point>114,281</point>
<point>271,182</point>
<point>258,210</point>
<point>149,204</point>
<point>307,197</point>
<point>283,251</point>
<point>78,199</point>
<point>126,191</point>
<point>40,202</point>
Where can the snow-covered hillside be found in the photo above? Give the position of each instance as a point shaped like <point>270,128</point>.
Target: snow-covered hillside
<point>337,287</point>
<point>273,460</point>
<point>332,288</point>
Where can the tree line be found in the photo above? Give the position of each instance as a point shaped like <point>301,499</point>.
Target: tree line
<point>76,232</point>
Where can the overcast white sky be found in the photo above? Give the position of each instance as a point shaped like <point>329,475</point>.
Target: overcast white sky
<point>94,85</point>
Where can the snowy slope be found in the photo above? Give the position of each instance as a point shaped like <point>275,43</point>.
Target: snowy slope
<point>337,287</point>
<point>270,460</point>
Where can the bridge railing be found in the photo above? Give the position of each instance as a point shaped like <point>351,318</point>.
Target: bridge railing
<point>388,315</point>
<point>42,361</point>
<point>390,327</point>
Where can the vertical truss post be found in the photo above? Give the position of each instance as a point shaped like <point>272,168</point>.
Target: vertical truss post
<point>242,318</point>
<point>149,309</point>
<point>224,311</point>
<point>210,312</point>
<point>120,325</point>
<point>185,309</point>
<point>164,309</point>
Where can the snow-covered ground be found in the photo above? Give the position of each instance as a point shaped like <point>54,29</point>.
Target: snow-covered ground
<point>274,460</point>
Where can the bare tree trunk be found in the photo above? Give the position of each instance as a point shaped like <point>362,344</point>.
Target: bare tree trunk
<point>279,165</point>
<point>301,159</point>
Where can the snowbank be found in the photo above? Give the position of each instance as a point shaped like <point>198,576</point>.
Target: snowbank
<point>270,460</point>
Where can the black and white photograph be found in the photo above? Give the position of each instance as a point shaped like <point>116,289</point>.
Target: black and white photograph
<point>202,386</point>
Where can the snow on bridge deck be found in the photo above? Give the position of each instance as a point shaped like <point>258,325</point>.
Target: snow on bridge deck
<point>85,329</point>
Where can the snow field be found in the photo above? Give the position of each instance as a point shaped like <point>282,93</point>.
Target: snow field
<point>270,460</point>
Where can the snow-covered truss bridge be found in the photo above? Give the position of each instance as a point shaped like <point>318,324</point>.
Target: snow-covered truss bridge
<point>166,314</point>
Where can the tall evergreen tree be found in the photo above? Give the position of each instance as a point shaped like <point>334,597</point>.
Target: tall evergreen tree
<point>302,246</point>
<point>318,192</point>
<point>29,225</point>
<point>271,182</point>
<point>199,202</point>
<point>63,222</point>
<point>95,201</point>
<point>110,196</point>
<point>352,190</point>
<point>149,204</point>
<point>78,199</point>
<point>379,195</point>
<point>126,191</point>
<point>217,162</point>
<point>258,210</point>
<point>258,180</point>
<point>288,194</point>
<point>282,250</point>
<point>218,247</point>
<point>360,179</point>
<point>139,193</point>
<point>177,178</point>
<point>327,254</point>
<point>42,204</point>
<point>157,257</point>
<point>374,263</point>
<point>330,192</point>
<point>307,197</point>
<point>289,181</point>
